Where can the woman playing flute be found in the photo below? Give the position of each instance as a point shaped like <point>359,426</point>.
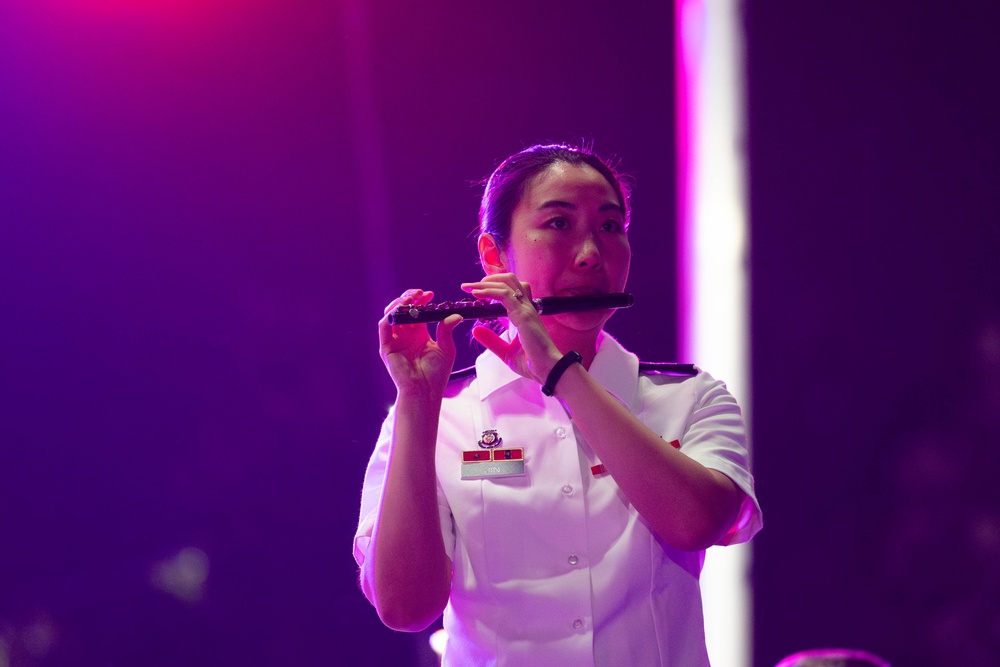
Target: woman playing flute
<point>556,504</point>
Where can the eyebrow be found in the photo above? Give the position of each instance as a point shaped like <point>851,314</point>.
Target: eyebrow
<point>556,203</point>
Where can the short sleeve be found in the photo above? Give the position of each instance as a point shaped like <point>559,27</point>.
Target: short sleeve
<point>371,493</point>
<point>715,436</point>
<point>704,416</point>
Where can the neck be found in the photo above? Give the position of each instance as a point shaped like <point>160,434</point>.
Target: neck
<point>584,342</point>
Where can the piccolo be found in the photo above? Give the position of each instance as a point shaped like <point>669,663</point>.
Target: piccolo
<point>485,309</point>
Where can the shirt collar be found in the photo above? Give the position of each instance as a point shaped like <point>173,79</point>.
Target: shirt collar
<point>615,368</point>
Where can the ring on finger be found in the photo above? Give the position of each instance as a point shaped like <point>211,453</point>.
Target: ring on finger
<point>518,294</point>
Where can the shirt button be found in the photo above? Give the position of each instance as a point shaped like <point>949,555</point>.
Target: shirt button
<point>573,560</point>
<point>560,432</point>
<point>577,624</point>
<point>567,489</point>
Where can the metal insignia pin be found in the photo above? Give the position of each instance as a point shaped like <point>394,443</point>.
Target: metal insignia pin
<point>490,439</point>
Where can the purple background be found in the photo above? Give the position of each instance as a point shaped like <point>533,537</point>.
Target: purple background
<point>204,209</point>
<point>205,206</point>
<point>875,198</point>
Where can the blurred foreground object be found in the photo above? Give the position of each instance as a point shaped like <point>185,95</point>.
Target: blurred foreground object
<point>832,657</point>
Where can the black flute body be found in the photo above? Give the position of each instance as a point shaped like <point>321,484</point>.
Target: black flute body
<point>482,309</point>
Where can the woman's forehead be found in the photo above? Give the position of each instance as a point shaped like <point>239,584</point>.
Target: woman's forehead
<point>562,180</point>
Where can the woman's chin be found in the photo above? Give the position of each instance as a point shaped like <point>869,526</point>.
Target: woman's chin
<point>588,320</point>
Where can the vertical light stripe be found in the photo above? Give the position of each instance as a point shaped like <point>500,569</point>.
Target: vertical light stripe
<point>712,247</point>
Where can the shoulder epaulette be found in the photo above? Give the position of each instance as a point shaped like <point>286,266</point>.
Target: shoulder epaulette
<point>462,373</point>
<point>663,368</point>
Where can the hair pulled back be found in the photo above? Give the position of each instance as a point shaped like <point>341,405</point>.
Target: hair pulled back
<point>506,185</point>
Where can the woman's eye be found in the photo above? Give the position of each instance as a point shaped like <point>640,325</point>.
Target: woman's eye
<point>559,223</point>
<point>612,226</point>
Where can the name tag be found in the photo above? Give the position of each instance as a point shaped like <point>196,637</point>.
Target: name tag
<point>480,464</point>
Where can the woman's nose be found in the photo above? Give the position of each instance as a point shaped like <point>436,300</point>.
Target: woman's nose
<point>588,253</point>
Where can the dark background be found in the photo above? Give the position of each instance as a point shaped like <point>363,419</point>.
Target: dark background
<point>205,206</point>
<point>875,205</point>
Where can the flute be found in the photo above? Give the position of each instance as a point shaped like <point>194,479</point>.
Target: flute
<point>484,309</point>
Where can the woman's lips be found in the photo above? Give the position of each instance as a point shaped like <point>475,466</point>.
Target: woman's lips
<point>581,291</point>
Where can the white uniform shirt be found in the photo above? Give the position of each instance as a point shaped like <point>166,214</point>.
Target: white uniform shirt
<point>555,567</point>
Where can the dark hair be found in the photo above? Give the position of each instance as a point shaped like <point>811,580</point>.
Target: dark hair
<point>506,185</point>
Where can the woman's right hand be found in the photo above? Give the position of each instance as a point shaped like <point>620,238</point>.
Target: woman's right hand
<point>415,361</point>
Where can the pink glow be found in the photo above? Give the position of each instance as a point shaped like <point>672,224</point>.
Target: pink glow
<point>688,13</point>
<point>132,7</point>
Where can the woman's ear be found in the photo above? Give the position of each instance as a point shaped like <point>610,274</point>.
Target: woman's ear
<point>491,256</point>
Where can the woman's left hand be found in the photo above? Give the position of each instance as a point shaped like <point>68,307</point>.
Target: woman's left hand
<point>531,353</point>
